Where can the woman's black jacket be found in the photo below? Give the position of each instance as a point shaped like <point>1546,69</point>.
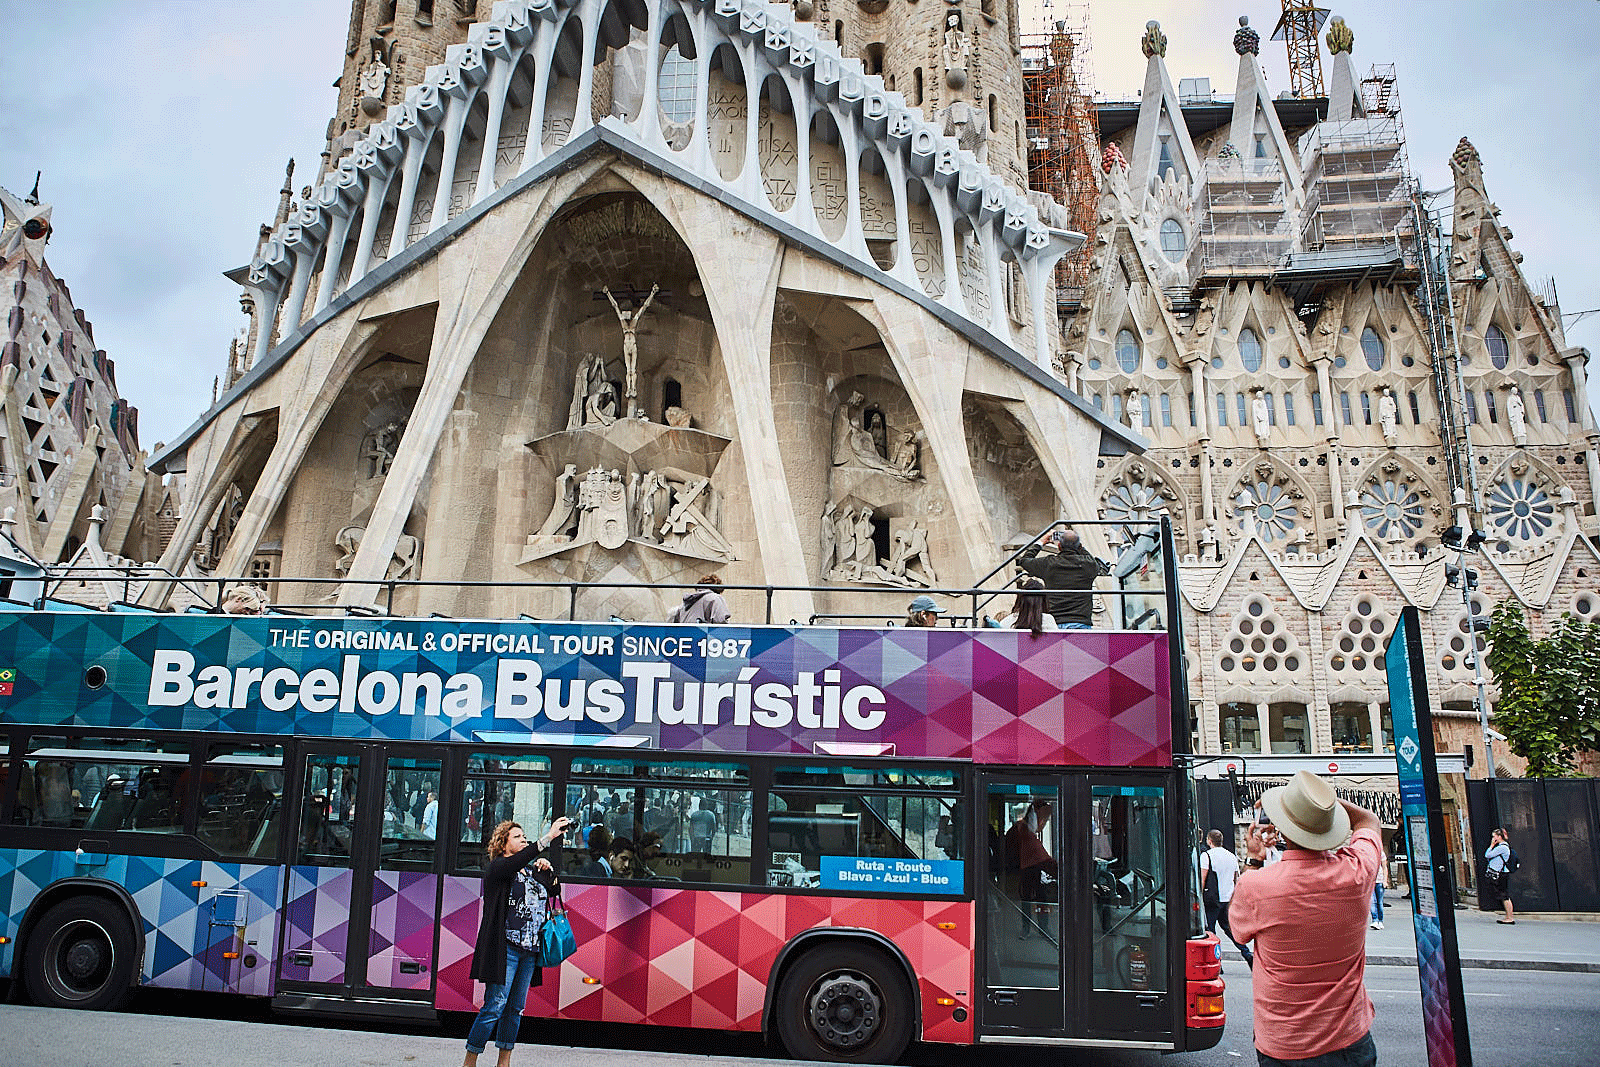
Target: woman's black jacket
<point>489,954</point>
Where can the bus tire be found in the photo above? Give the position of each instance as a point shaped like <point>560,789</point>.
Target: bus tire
<point>81,955</point>
<point>845,1004</point>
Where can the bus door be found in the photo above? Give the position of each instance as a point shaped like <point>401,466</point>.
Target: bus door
<point>1124,911</point>
<point>361,902</point>
<point>1022,983</point>
<point>1074,902</point>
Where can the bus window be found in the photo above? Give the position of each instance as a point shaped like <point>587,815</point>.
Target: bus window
<point>328,810</point>
<point>107,784</point>
<point>1130,888</point>
<point>688,821</point>
<point>409,837</point>
<point>819,828</point>
<point>241,801</point>
<point>502,786</point>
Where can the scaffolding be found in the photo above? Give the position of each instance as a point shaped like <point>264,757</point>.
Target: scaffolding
<point>1246,223</point>
<point>1063,136</point>
<point>1357,183</point>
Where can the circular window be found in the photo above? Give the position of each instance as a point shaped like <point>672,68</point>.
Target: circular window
<point>1364,607</point>
<point>1584,605</point>
<point>1257,608</point>
<point>1227,663</point>
<point>1172,242</point>
<point>1258,645</point>
<point>1447,661</point>
<point>1266,626</point>
<point>1127,351</point>
<point>1372,348</point>
<point>1270,663</point>
<point>1292,663</point>
<point>1237,644</point>
<point>1279,645</point>
<point>1249,350</point>
<point>1359,663</point>
<point>1337,662</point>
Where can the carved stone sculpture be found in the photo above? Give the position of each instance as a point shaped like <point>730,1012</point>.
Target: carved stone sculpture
<point>1517,416</point>
<point>854,446</point>
<point>594,398</point>
<point>378,449</point>
<point>1261,418</point>
<point>910,560</point>
<point>374,80</point>
<point>957,49</point>
<point>403,564</point>
<point>907,456</point>
<point>630,347</point>
<point>1388,416</point>
<point>830,539</point>
<point>687,529</point>
<point>603,508</point>
<point>678,417</point>
<point>560,520</point>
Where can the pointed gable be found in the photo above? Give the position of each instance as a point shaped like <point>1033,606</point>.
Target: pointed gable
<point>1256,132</point>
<point>1161,141</point>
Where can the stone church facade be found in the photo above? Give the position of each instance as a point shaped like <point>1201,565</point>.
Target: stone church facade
<point>631,292</point>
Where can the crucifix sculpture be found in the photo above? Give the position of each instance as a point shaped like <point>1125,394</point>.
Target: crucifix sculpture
<point>630,346</point>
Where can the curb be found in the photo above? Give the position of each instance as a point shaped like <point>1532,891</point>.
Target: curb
<point>1574,966</point>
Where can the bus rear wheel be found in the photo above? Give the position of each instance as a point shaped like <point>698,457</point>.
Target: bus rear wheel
<point>81,956</point>
<point>846,1004</point>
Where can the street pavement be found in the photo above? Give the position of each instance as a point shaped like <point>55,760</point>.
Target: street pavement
<point>1538,942</point>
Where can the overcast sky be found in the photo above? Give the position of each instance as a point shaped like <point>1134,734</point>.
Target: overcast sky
<point>162,128</point>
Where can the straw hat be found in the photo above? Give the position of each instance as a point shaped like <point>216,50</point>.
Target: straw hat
<point>1307,812</point>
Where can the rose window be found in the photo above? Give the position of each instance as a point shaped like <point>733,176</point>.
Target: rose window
<point>1391,510</point>
<point>1520,510</point>
<point>1136,506</point>
<point>1267,509</point>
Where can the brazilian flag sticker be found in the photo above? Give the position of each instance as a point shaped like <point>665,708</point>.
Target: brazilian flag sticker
<point>8,674</point>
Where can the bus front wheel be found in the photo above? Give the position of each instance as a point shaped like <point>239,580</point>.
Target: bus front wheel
<point>847,1004</point>
<point>81,956</point>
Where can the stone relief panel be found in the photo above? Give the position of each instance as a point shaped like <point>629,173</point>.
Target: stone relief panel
<point>727,111</point>
<point>1136,497</point>
<point>1015,489</point>
<point>1396,504</point>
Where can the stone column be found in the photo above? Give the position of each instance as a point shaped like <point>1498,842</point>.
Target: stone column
<point>1331,408</point>
<point>1577,361</point>
<point>1375,717</point>
<point>1264,723</point>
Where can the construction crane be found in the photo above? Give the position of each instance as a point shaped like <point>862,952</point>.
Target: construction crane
<point>1298,28</point>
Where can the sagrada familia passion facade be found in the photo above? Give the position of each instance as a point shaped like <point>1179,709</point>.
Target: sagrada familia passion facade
<point>629,291</point>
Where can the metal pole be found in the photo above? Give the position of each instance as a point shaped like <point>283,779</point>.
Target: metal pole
<point>1482,697</point>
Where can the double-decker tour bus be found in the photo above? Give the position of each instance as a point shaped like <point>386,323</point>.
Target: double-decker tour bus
<point>848,837</point>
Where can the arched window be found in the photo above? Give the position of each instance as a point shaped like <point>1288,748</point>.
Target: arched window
<point>1372,348</point>
<point>1344,408</point>
<point>1116,407</point>
<point>1488,405</point>
<point>1272,411</point>
<point>1538,402</point>
<point>994,114</point>
<point>1366,409</point>
<point>1144,405</point>
<point>1244,408</point>
<point>1288,407</point>
<point>916,86</point>
<point>1222,409</point>
<point>1165,165</point>
<point>1127,351</point>
<point>1316,407</point>
<point>1499,352</point>
<point>1416,410</point>
<point>1172,240</point>
<point>1249,350</point>
<point>1166,410</point>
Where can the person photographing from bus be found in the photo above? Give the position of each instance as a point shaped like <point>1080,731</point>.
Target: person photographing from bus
<point>1068,570</point>
<point>517,884</point>
<point>1308,918</point>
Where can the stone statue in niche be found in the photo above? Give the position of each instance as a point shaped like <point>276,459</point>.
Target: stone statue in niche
<point>687,529</point>
<point>1388,417</point>
<point>374,80</point>
<point>378,448</point>
<point>854,446</point>
<point>866,550</point>
<point>603,508</point>
<point>910,558</point>
<point>1260,418</point>
<point>403,563</point>
<point>594,398</point>
<point>957,49</point>
<point>653,497</point>
<point>907,455</point>
<point>560,521</point>
<point>844,527</point>
<point>879,431</point>
<point>630,348</point>
<point>1517,416</point>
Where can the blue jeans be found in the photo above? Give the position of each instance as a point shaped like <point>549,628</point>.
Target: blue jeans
<point>1363,1053</point>
<point>1377,903</point>
<point>1077,626</point>
<point>503,1002</point>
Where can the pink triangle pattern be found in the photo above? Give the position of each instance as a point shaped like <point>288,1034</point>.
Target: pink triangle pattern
<point>683,957</point>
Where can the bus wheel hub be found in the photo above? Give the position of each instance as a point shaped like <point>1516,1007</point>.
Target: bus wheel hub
<point>845,1011</point>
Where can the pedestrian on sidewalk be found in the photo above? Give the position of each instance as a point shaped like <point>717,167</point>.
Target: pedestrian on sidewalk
<point>1304,915</point>
<point>1497,877</point>
<point>1225,864</point>
<point>1377,892</point>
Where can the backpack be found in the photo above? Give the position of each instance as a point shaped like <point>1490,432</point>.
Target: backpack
<point>1512,862</point>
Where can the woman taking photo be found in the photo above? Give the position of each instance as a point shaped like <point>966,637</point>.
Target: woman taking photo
<point>517,886</point>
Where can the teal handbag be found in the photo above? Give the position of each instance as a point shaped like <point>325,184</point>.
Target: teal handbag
<point>556,940</point>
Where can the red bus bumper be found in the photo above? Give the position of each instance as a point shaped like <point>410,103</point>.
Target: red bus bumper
<point>1204,986</point>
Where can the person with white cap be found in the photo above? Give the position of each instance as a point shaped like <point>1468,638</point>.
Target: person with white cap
<point>924,611</point>
<point>1308,918</point>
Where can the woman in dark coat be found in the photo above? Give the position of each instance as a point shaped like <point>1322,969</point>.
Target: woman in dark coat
<point>516,892</point>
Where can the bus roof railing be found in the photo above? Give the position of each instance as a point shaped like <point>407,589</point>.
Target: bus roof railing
<point>982,594</point>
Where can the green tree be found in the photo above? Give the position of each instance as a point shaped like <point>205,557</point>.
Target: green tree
<point>1549,705</point>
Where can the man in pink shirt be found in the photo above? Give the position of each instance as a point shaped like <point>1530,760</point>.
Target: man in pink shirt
<point>1308,918</point>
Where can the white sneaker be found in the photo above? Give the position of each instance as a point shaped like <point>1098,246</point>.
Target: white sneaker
<point>1378,925</point>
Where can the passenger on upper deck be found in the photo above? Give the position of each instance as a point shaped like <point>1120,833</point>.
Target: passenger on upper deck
<point>1068,570</point>
<point>924,611</point>
<point>703,603</point>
